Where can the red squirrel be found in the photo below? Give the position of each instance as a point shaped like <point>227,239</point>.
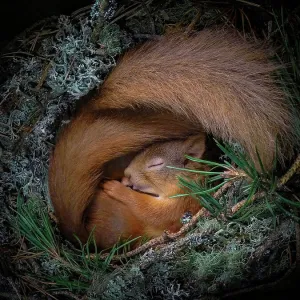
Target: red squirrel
<point>212,81</point>
<point>151,183</point>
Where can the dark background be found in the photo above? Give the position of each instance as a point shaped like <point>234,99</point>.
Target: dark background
<point>17,15</point>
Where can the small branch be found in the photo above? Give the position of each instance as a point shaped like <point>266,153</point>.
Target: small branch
<point>288,175</point>
<point>192,25</point>
<point>223,189</point>
<point>67,294</point>
<point>239,205</point>
<point>69,69</point>
<point>52,215</point>
<point>147,10</point>
<point>37,285</point>
<point>11,282</point>
<point>44,76</point>
<point>164,238</point>
<point>282,181</point>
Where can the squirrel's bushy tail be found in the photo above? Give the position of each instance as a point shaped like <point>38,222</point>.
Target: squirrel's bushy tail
<point>213,77</point>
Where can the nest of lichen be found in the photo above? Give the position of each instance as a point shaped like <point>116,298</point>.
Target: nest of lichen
<point>44,72</point>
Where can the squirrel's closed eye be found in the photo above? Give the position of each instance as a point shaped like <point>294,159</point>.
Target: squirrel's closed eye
<point>155,163</point>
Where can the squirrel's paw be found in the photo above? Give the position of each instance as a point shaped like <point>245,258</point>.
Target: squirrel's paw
<point>116,189</point>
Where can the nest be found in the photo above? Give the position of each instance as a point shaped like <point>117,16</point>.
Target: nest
<point>47,69</point>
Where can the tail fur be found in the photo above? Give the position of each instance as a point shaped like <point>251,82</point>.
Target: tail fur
<point>214,78</point>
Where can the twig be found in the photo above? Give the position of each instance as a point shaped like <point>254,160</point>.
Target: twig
<point>37,285</point>
<point>11,282</point>
<point>239,205</point>
<point>20,53</point>
<point>288,175</point>
<point>52,215</point>
<point>66,293</point>
<point>43,77</point>
<point>249,3</point>
<point>128,12</point>
<point>192,25</point>
<point>282,181</point>
<point>147,10</point>
<point>70,68</point>
<point>223,189</point>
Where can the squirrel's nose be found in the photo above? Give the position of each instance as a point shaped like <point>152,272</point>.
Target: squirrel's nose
<point>126,181</point>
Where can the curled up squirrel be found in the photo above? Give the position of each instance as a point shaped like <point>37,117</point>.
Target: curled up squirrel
<point>152,183</point>
<point>170,88</point>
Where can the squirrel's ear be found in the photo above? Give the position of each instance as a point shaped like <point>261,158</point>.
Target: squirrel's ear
<point>195,145</point>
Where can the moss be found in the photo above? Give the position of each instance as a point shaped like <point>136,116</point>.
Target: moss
<point>109,39</point>
<point>215,258</point>
<point>124,285</point>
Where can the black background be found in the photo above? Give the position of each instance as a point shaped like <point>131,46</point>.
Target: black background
<point>17,15</point>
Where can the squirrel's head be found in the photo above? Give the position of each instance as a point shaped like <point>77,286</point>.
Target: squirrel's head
<point>149,173</point>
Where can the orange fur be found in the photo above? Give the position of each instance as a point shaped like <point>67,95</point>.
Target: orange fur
<point>165,89</point>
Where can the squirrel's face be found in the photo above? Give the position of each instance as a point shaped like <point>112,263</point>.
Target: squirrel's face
<point>149,173</point>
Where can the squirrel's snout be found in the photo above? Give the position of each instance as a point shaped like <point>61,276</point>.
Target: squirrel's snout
<point>126,181</point>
